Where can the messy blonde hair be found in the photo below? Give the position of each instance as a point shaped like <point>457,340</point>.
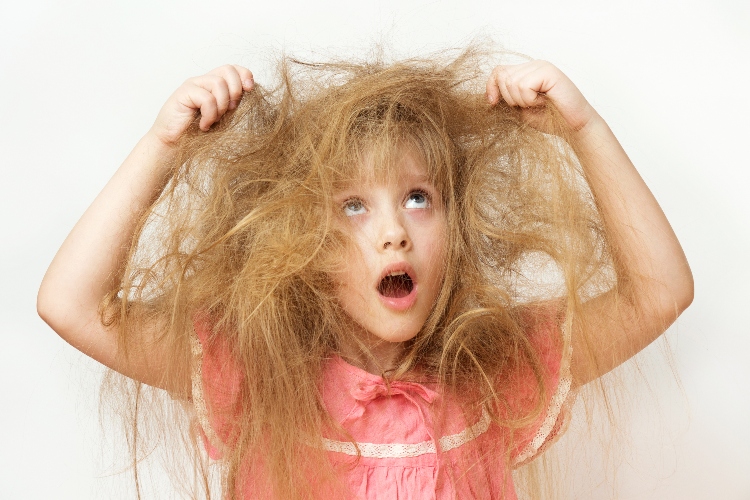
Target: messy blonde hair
<point>243,235</point>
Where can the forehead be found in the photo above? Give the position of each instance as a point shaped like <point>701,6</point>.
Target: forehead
<point>402,165</point>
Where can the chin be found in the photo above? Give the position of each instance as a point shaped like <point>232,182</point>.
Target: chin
<point>402,334</point>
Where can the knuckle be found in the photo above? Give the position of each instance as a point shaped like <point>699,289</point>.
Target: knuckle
<point>228,71</point>
<point>218,85</point>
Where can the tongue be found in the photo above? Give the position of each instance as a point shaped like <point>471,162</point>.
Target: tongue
<point>396,286</point>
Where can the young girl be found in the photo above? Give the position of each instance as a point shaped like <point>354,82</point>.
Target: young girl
<point>374,281</point>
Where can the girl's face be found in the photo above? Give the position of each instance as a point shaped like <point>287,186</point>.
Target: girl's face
<point>393,270</point>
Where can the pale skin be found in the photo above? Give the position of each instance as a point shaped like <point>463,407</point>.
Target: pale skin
<point>397,225</point>
<point>658,280</point>
<point>87,262</point>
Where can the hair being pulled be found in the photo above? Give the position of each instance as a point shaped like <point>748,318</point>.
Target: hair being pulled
<point>243,238</point>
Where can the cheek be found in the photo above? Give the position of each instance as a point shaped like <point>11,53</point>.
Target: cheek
<point>433,255</point>
<point>356,234</point>
<point>351,275</point>
<point>439,240</point>
<point>439,253</point>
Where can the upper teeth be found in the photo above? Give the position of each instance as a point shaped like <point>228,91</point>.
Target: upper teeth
<point>396,273</point>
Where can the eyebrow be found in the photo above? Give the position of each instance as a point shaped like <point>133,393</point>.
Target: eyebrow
<point>342,186</point>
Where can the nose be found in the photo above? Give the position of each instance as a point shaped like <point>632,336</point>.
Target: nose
<point>393,234</point>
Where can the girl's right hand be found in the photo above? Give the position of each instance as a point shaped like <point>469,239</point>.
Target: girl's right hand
<point>212,94</point>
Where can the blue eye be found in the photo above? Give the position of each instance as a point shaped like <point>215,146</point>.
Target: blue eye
<point>354,206</point>
<point>417,199</point>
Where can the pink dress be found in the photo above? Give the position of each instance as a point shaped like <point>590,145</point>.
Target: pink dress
<point>397,438</point>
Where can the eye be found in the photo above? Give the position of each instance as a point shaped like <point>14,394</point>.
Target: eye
<point>417,199</point>
<point>354,206</point>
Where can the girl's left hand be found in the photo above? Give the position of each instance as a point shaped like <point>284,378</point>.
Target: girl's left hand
<point>530,85</point>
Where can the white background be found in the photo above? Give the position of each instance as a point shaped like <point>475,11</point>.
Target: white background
<point>81,81</point>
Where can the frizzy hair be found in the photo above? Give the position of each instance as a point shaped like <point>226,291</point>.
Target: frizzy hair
<point>244,237</point>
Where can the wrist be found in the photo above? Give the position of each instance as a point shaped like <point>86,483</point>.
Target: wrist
<point>159,143</point>
<point>152,157</point>
<point>161,151</point>
<point>592,131</point>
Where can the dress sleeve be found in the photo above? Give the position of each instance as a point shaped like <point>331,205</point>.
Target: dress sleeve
<point>216,385</point>
<point>550,339</point>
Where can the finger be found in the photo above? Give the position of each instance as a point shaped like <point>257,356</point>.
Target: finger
<point>204,101</point>
<point>526,83</point>
<point>246,77</point>
<point>528,94</point>
<point>516,76</point>
<point>511,84</point>
<point>217,86</point>
<point>541,79</point>
<point>502,85</point>
<point>234,84</point>
<point>497,84</point>
<point>534,82</point>
<point>492,91</point>
<point>519,72</point>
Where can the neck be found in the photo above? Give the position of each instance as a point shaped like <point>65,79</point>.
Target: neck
<point>364,350</point>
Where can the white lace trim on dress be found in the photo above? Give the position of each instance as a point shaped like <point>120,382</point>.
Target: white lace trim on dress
<point>559,400</point>
<point>199,402</point>
<point>398,450</point>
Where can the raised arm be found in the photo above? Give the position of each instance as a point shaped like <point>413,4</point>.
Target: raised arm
<point>654,280</point>
<point>87,264</point>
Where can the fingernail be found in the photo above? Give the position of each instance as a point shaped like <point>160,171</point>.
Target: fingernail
<point>248,83</point>
<point>232,104</point>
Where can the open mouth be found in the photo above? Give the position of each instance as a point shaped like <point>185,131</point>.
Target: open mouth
<point>396,285</point>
